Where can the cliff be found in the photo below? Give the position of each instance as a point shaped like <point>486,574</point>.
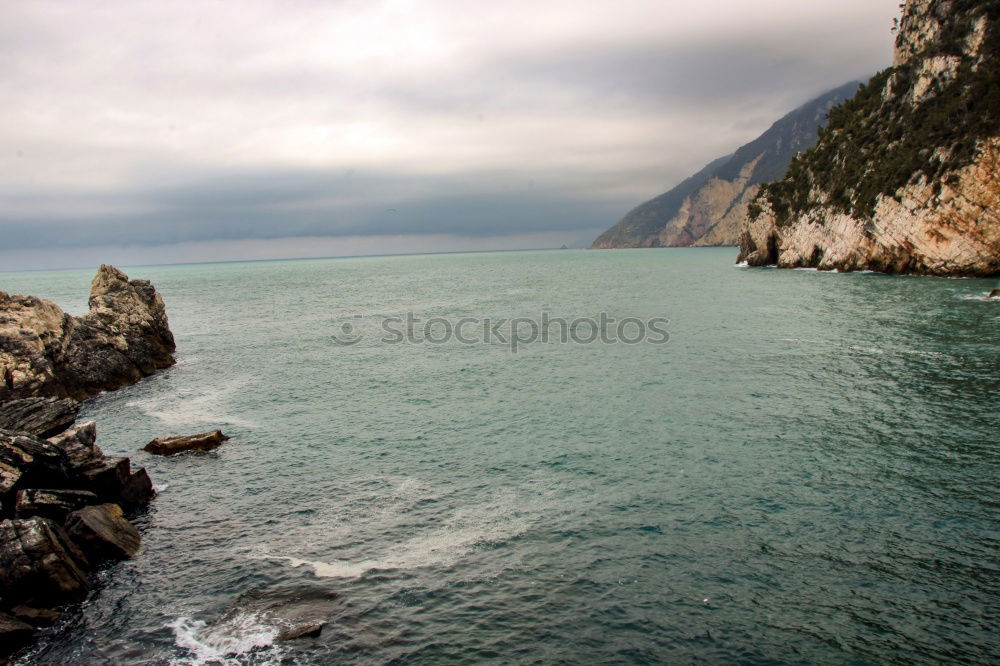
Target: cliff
<point>708,208</point>
<point>905,178</point>
<point>63,502</point>
<point>46,352</point>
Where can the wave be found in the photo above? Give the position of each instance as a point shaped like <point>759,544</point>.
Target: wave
<point>979,297</point>
<point>225,643</point>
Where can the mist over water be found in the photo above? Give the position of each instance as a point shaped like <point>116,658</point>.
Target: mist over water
<point>807,472</point>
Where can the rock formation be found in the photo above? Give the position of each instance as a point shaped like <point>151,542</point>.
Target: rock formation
<point>46,352</point>
<point>205,441</point>
<point>63,503</point>
<point>61,514</point>
<point>905,178</point>
<point>708,208</point>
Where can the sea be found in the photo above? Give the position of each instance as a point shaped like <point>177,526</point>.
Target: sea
<point>694,462</point>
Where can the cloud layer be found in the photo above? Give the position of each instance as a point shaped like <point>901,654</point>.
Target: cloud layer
<point>139,123</point>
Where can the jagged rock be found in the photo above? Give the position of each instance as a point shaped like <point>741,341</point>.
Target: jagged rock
<point>52,504</point>
<point>46,352</point>
<point>79,443</point>
<point>995,293</point>
<point>107,477</point>
<point>103,533</point>
<point>205,441</point>
<point>39,564</point>
<point>111,478</point>
<point>42,417</point>
<point>27,461</point>
<point>14,633</point>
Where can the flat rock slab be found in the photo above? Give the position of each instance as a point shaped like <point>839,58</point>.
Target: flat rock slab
<point>54,504</point>
<point>103,533</point>
<point>205,441</point>
<point>41,417</point>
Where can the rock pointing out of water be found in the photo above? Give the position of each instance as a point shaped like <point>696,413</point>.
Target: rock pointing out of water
<point>103,533</point>
<point>205,441</point>
<point>46,352</point>
<point>995,293</point>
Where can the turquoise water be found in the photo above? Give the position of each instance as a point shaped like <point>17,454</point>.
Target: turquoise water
<point>807,472</point>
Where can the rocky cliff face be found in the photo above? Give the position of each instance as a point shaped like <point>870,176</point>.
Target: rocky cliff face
<point>62,501</point>
<point>708,208</point>
<point>46,352</point>
<point>906,176</point>
<point>62,513</point>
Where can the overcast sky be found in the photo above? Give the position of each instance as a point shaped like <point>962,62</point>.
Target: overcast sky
<point>142,132</point>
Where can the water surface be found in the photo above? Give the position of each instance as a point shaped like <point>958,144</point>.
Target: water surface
<point>807,472</point>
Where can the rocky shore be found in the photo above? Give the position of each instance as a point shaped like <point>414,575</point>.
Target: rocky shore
<point>64,504</point>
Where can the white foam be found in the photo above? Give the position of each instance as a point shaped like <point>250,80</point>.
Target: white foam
<point>223,643</point>
<point>979,297</point>
<point>184,408</point>
<point>441,545</point>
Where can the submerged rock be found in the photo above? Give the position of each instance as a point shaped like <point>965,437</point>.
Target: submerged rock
<point>205,441</point>
<point>46,352</point>
<point>42,417</point>
<point>289,613</point>
<point>39,564</point>
<point>103,533</point>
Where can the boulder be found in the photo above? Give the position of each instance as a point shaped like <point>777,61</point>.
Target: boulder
<point>52,504</point>
<point>995,293</point>
<point>103,533</point>
<point>42,417</point>
<point>107,477</point>
<point>39,564</point>
<point>205,441</point>
<point>46,352</point>
<point>138,490</point>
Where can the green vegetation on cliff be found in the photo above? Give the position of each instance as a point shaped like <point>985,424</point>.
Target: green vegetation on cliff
<point>881,139</point>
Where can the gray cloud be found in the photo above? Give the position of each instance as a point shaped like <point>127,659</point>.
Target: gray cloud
<point>167,123</point>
